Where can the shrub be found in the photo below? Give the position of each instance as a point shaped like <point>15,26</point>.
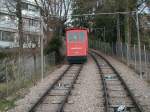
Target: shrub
<point>54,46</point>
<point>3,55</point>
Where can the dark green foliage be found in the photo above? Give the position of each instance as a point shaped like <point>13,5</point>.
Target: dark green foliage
<point>54,46</point>
<point>2,55</point>
<point>6,104</point>
<point>109,23</point>
<point>82,7</point>
<point>112,23</point>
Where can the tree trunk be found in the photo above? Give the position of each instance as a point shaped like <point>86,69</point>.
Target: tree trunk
<point>129,30</point>
<point>20,23</point>
<point>34,58</point>
<point>128,25</point>
<point>20,32</point>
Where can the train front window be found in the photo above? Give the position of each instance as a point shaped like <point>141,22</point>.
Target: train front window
<point>76,36</point>
<point>81,36</point>
<point>72,36</point>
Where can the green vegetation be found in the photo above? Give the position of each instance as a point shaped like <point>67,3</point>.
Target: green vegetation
<point>112,23</point>
<point>2,55</point>
<point>17,89</point>
<point>6,104</point>
<point>54,46</point>
<point>14,91</point>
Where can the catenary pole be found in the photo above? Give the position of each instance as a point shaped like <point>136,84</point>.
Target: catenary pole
<point>42,55</point>
<point>139,43</point>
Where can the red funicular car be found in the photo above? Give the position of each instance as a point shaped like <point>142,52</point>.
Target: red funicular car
<point>77,44</point>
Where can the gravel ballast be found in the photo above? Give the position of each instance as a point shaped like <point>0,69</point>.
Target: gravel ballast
<point>139,87</point>
<point>23,105</point>
<point>87,93</point>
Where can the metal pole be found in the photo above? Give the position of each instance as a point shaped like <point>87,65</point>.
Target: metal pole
<point>135,56</point>
<point>104,34</point>
<point>118,29</point>
<point>6,80</point>
<point>105,47</point>
<point>116,49</point>
<point>105,41</point>
<point>92,44</point>
<point>122,51</point>
<point>145,55</point>
<point>112,49</point>
<point>99,44</point>
<point>42,55</point>
<point>139,44</point>
<point>127,54</point>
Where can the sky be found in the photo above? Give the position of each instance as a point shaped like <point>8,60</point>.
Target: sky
<point>146,10</point>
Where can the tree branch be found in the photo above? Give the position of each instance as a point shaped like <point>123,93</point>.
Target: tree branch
<point>8,6</point>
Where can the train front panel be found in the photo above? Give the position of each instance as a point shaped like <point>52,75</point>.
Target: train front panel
<point>77,43</point>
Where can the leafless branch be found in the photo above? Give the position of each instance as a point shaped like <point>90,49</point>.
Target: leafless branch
<point>8,4</point>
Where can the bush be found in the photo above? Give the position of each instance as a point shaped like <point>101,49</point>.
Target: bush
<point>54,46</point>
<point>3,55</point>
<point>3,58</point>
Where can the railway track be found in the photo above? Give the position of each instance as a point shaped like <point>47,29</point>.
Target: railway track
<point>117,95</point>
<point>54,99</point>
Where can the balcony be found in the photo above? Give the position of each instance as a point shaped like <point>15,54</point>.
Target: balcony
<point>6,44</point>
<point>8,26</point>
<point>31,29</point>
<point>12,27</point>
<point>32,14</point>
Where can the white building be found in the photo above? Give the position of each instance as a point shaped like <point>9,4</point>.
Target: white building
<point>9,29</point>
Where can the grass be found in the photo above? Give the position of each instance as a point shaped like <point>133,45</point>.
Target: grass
<point>18,89</point>
<point>15,92</point>
<point>6,104</point>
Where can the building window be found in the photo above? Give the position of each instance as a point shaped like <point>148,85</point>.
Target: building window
<point>32,8</point>
<point>24,6</point>
<point>33,23</point>
<point>7,36</point>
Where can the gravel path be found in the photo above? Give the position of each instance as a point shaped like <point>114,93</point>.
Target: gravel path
<point>87,94</point>
<point>23,105</point>
<point>139,87</point>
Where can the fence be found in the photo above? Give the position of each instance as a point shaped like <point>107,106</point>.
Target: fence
<point>15,76</point>
<point>128,54</point>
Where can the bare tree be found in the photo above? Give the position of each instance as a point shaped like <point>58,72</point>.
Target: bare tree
<point>54,12</point>
<point>14,7</point>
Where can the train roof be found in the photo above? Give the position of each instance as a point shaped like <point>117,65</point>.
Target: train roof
<point>77,28</point>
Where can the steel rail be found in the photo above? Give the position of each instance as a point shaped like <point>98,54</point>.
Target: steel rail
<point>106,104</point>
<point>32,109</point>
<point>61,107</point>
<point>131,95</point>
